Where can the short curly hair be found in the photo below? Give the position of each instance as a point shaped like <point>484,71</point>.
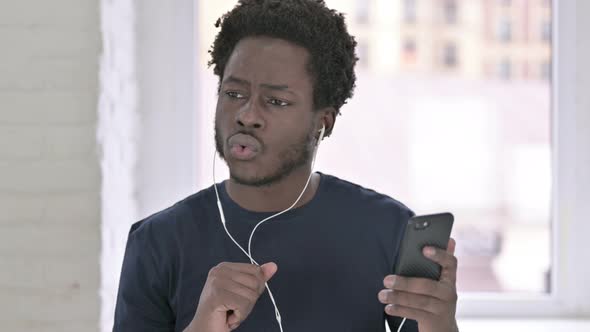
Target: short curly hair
<point>307,23</point>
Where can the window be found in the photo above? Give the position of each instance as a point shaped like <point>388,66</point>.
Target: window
<point>409,50</point>
<point>450,11</point>
<point>546,31</point>
<point>450,55</point>
<point>505,30</point>
<point>490,141</point>
<point>362,11</point>
<point>410,11</point>
<point>362,52</point>
<point>505,69</point>
<point>546,70</point>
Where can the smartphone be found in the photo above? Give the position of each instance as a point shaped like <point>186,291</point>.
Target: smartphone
<point>427,230</point>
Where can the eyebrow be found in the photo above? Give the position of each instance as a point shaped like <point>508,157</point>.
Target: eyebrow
<point>281,87</point>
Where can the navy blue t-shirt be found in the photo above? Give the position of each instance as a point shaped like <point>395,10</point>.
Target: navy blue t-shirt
<point>332,255</point>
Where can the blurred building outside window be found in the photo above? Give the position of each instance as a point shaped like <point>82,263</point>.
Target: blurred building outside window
<point>409,10</point>
<point>362,11</point>
<point>474,140</point>
<point>409,51</point>
<point>546,31</point>
<point>505,30</point>
<point>504,69</point>
<point>450,55</point>
<point>450,11</point>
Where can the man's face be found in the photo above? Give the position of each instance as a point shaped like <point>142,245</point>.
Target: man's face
<point>264,122</point>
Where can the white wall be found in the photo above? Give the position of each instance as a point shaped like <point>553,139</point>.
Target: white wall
<point>146,122</point>
<point>583,63</point>
<point>49,170</point>
<point>582,295</point>
<point>118,136</point>
<point>166,53</point>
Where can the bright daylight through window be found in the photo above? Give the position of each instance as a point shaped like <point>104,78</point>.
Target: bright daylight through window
<point>451,113</point>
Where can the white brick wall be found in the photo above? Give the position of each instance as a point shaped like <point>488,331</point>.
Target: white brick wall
<point>147,86</point>
<point>49,169</point>
<point>118,136</point>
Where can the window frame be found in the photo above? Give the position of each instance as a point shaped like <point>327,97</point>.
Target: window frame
<point>568,296</point>
<point>568,228</point>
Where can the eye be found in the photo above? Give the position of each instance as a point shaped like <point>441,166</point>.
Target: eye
<point>278,102</point>
<point>234,95</point>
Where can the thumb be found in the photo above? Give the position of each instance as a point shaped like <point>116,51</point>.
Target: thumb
<point>268,270</point>
<point>451,246</point>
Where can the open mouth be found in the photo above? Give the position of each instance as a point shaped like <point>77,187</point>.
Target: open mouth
<point>244,147</point>
<point>243,152</point>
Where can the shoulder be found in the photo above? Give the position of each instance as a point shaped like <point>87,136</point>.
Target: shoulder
<point>357,196</point>
<point>164,227</point>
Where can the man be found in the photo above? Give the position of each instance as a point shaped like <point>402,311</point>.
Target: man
<point>285,69</point>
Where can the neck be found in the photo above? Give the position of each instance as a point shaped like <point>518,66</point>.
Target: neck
<point>276,196</point>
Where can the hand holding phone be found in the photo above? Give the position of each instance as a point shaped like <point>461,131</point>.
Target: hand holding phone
<point>421,231</point>
<point>418,290</point>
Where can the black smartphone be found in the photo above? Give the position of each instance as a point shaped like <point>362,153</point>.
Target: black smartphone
<point>427,230</point>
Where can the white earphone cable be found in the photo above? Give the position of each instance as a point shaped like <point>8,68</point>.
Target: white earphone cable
<point>401,324</point>
<point>249,253</point>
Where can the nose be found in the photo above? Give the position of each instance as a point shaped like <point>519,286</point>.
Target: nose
<point>249,116</point>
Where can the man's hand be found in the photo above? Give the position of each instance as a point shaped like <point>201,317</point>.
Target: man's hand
<point>229,294</point>
<point>431,303</point>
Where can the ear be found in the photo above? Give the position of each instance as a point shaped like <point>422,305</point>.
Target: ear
<point>327,117</point>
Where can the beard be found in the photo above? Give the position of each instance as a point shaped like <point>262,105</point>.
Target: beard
<point>288,160</point>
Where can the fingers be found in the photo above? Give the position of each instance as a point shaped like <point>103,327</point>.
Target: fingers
<point>230,293</point>
<point>268,270</point>
<point>430,302</point>
<point>245,280</point>
<point>451,246</point>
<point>235,288</point>
<point>411,313</point>
<point>227,284</point>
<point>249,282</point>
<point>249,275</point>
<point>446,259</point>
<point>416,301</point>
<point>423,300</point>
<point>421,286</point>
<point>240,307</point>
<point>247,268</point>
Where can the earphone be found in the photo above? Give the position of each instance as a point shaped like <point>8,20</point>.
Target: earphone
<point>322,132</point>
<point>401,325</point>
<point>249,253</point>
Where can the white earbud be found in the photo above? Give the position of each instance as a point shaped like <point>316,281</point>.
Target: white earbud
<point>322,132</point>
